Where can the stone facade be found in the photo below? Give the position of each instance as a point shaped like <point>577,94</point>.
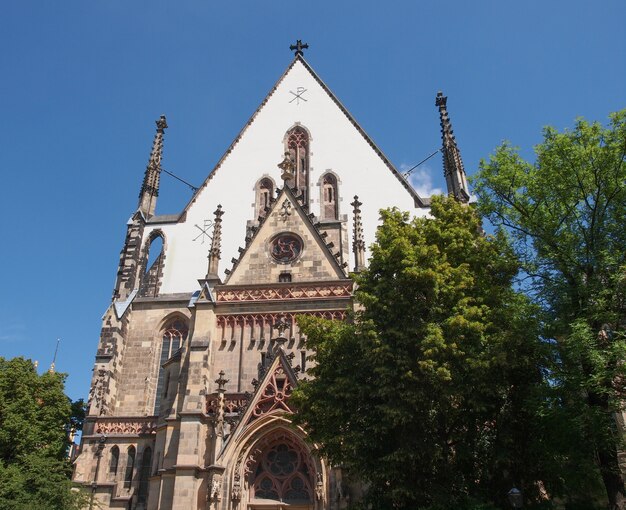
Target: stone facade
<point>189,403</point>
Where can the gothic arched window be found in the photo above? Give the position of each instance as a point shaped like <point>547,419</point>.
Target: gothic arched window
<point>114,462</point>
<point>264,195</point>
<point>174,335</point>
<point>130,466</point>
<point>330,200</point>
<point>283,474</point>
<point>298,147</point>
<point>152,265</point>
<point>144,474</point>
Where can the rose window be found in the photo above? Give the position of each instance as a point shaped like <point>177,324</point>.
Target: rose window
<point>282,475</point>
<point>285,248</point>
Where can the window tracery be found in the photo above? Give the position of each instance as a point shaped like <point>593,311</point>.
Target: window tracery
<point>283,473</point>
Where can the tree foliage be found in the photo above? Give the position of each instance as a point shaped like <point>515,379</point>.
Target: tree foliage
<point>34,418</point>
<point>430,395</point>
<point>565,214</point>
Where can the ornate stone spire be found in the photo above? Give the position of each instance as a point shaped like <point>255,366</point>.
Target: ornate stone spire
<point>150,187</point>
<point>358,243</point>
<point>216,244</point>
<point>453,169</point>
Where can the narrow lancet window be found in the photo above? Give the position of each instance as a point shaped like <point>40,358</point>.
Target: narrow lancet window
<point>114,462</point>
<point>130,466</point>
<point>264,195</point>
<point>298,148</point>
<point>174,335</point>
<point>153,266</point>
<point>144,474</point>
<point>330,209</point>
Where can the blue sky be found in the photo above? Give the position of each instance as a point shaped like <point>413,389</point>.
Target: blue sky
<point>81,84</point>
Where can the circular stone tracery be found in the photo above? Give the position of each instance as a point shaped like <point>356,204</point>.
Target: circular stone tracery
<point>282,474</point>
<point>286,248</point>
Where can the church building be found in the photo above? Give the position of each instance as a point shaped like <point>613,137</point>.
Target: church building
<point>200,350</point>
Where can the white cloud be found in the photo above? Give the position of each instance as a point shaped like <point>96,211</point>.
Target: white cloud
<point>12,332</point>
<point>421,180</point>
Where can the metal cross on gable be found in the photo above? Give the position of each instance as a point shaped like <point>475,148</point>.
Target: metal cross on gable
<point>298,47</point>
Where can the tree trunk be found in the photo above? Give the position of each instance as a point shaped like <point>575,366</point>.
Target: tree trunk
<point>607,456</point>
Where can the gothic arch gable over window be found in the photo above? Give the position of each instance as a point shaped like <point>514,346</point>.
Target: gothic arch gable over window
<point>297,144</point>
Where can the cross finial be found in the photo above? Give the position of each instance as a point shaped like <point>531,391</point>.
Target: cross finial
<point>221,382</point>
<point>298,47</point>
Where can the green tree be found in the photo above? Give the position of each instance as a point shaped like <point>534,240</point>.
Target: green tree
<point>430,394</point>
<point>34,418</point>
<point>565,215</point>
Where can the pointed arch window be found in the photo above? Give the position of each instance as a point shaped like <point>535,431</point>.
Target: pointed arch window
<point>154,257</point>
<point>173,337</point>
<point>114,462</point>
<point>330,200</point>
<point>297,144</point>
<point>264,195</point>
<point>144,474</point>
<point>130,466</point>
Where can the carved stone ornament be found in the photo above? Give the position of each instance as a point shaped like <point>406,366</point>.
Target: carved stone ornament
<point>285,210</point>
<point>216,488</point>
<point>286,247</point>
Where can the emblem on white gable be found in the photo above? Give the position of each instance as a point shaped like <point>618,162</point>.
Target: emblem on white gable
<point>204,231</point>
<point>298,95</point>
<point>286,247</point>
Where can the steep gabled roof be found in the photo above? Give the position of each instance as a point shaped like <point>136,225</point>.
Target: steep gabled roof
<point>419,201</point>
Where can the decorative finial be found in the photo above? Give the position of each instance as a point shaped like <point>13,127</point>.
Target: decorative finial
<point>453,168</point>
<point>221,382</point>
<point>281,325</point>
<point>298,47</point>
<point>358,243</point>
<point>286,165</point>
<point>441,100</point>
<point>216,244</point>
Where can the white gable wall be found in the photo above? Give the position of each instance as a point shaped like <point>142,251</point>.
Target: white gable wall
<point>335,145</point>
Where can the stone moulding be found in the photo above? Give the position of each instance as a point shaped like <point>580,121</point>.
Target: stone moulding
<point>272,318</point>
<point>303,291</point>
<point>125,426</point>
